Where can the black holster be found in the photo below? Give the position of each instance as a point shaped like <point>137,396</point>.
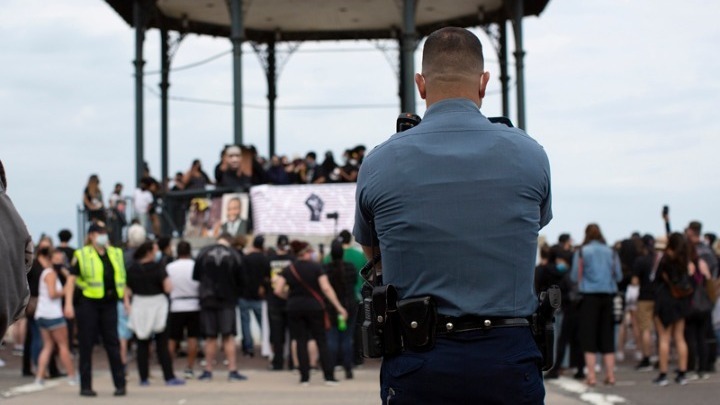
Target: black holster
<point>543,325</point>
<point>390,326</point>
<point>418,319</point>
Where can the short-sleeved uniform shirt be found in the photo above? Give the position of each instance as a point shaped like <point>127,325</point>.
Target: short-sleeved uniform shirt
<point>457,204</point>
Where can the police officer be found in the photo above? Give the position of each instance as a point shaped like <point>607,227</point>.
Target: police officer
<point>98,270</point>
<point>455,205</point>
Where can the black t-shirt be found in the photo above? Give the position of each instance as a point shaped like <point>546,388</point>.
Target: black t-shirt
<point>278,262</point>
<point>108,277</point>
<point>343,279</point>
<point>218,268</point>
<point>256,267</point>
<point>146,278</point>
<point>69,252</point>
<point>230,178</point>
<point>642,269</point>
<point>300,299</point>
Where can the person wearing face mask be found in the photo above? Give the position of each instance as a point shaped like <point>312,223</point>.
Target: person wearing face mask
<point>49,315</point>
<point>98,269</point>
<point>146,302</point>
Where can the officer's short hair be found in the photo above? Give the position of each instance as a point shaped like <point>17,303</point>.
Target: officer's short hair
<point>452,51</point>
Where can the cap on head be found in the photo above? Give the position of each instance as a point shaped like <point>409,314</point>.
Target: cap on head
<point>97,227</point>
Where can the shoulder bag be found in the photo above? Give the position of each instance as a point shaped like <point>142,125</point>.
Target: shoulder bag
<point>315,294</point>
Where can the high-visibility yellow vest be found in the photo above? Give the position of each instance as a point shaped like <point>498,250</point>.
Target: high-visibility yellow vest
<point>92,272</point>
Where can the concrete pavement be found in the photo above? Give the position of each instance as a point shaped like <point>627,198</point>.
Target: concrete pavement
<point>263,387</point>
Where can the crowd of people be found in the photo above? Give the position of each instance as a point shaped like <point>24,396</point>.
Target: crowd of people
<point>637,296</point>
<point>655,298</point>
<point>239,168</point>
<point>154,290</point>
<point>149,289</point>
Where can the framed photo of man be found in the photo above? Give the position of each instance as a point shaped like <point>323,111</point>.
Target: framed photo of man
<point>234,215</point>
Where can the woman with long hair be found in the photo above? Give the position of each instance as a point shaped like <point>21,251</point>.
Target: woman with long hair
<point>93,200</point>
<point>670,311</point>
<point>343,277</point>
<point>147,285</point>
<point>49,317</point>
<point>596,269</point>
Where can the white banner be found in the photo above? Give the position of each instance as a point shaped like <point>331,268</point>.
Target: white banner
<point>303,209</point>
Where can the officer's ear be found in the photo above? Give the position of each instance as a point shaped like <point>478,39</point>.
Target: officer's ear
<point>420,83</point>
<point>484,80</point>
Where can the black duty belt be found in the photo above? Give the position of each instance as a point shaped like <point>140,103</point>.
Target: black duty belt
<point>450,324</point>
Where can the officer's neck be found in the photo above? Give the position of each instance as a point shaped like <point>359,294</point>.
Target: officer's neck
<point>99,249</point>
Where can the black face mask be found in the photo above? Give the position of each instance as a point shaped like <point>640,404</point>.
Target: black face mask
<point>57,267</point>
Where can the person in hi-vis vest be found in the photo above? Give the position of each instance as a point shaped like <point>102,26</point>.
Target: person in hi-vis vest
<point>98,270</point>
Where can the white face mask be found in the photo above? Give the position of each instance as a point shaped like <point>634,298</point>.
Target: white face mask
<point>314,256</point>
<point>102,240</point>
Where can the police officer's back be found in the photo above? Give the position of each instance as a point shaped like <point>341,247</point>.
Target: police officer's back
<point>454,206</point>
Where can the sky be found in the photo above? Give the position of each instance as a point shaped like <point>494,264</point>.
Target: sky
<point>623,95</point>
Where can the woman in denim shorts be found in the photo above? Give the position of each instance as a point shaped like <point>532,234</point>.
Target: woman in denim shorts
<point>49,316</point>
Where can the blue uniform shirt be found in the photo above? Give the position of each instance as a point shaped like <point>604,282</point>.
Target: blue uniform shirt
<point>457,203</point>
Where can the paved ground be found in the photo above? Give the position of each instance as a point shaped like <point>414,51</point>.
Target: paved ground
<point>263,387</point>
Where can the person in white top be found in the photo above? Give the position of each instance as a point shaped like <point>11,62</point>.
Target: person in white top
<point>142,199</point>
<point>184,305</point>
<point>49,314</point>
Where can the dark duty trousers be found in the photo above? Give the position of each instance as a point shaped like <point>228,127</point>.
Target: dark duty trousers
<point>494,366</point>
<point>98,317</point>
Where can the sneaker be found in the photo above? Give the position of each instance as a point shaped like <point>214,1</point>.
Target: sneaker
<point>620,356</point>
<point>235,376</point>
<point>644,365</point>
<point>39,382</point>
<point>331,383</point>
<point>72,381</point>
<point>693,377</point>
<point>205,376</point>
<point>174,382</point>
<point>189,375</point>
<point>348,374</point>
<point>120,392</point>
<point>144,383</point>
<point>2,363</point>
<point>304,383</point>
<point>703,376</point>
<point>680,379</point>
<point>661,381</point>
